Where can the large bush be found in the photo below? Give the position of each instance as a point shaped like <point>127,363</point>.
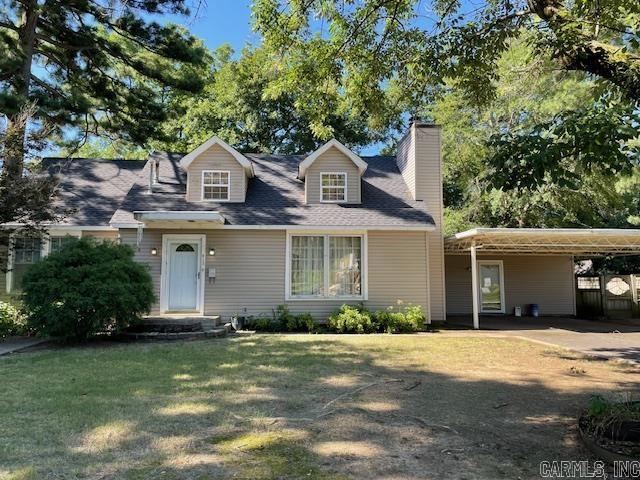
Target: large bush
<point>12,320</point>
<point>352,319</point>
<point>357,319</point>
<point>86,288</point>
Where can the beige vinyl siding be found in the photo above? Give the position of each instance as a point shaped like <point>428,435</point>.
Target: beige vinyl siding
<point>419,160</point>
<point>250,270</point>
<point>111,235</point>
<point>545,280</point>
<point>405,159</point>
<point>397,269</point>
<point>216,158</point>
<point>429,188</point>
<point>332,161</point>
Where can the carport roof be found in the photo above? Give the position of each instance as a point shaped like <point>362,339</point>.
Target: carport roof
<point>549,241</point>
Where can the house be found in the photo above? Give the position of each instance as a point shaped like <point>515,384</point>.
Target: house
<point>227,233</point>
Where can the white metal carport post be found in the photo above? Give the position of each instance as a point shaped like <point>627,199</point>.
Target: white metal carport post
<point>474,286</point>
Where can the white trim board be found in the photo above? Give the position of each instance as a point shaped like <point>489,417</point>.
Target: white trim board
<point>325,228</point>
<point>241,159</point>
<point>307,162</point>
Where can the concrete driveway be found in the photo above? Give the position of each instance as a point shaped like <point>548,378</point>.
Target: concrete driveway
<point>614,340</point>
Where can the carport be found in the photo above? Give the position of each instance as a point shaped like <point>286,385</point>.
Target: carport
<point>559,242</point>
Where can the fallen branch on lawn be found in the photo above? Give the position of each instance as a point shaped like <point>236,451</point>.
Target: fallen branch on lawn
<point>434,426</point>
<point>359,389</point>
<point>273,420</point>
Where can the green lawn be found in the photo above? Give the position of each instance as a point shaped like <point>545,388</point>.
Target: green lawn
<point>286,406</point>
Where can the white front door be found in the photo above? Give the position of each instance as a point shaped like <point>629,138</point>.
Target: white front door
<point>183,283</point>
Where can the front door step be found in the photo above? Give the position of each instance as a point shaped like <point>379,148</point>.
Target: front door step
<point>178,323</point>
<point>164,336</point>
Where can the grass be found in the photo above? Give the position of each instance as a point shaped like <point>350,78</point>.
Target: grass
<point>254,407</point>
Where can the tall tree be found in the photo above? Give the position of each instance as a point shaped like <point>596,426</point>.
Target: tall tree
<point>416,46</point>
<point>239,105</point>
<point>70,66</point>
<point>76,61</point>
<point>500,158</point>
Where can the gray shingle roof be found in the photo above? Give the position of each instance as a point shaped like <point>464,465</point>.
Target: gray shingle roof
<point>92,188</point>
<point>276,197</point>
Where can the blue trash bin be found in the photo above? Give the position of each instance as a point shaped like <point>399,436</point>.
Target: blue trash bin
<point>534,308</point>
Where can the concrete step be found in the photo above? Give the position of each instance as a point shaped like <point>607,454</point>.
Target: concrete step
<point>161,336</point>
<point>188,323</point>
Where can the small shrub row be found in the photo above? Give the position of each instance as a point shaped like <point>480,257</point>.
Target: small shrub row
<point>13,321</point>
<point>282,320</point>
<point>357,319</point>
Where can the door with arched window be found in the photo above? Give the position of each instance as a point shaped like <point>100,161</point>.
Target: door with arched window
<point>182,275</point>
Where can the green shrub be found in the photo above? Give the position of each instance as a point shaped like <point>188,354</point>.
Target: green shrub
<point>304,323</point>
<point>283,317</point>
<point>261,323</point>
<point>350,319</point>
<point>12,321</point>
<point>409,319</point>
<point>414,319</point>
<point>86,288</point>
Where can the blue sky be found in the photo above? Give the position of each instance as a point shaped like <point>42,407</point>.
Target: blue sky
<point>222,21</point>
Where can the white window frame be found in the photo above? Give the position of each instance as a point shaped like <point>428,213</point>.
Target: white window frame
<point>228,185</point>
<point>344,174</point>
<point>500,265</point>
<point>45,249</point>
<point>364,283</point>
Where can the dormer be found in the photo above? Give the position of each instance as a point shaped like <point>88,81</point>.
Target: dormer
<point>216,172</point>
<point>332,174</point>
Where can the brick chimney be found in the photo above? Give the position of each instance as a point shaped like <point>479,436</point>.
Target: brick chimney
<point>419,159</point>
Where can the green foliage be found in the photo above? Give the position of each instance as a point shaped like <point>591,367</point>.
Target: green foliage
<point>594,139</point>
<point>357,319</point>
<point>351,319</point>
<point>293,323</point>
<point>283,317</point>
<point>408,319</point>
<point>261,323</point>
<point>108,69</point>
<point>597,406</point>
<point>488,149</point>
<point>86,288</point>
<point>369,45</point>
<point>241,104</point>
<point>282,321</point>
<point>302,323</point>
<point>12,320</point>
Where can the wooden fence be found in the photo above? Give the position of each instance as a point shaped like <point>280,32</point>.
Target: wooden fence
<point>611,296</point>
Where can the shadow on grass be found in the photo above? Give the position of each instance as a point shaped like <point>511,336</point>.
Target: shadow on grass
<point>280,407</point>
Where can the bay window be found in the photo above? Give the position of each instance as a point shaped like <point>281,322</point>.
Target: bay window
<point>326,266</point>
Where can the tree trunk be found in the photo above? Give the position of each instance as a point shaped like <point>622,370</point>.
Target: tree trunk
<point>581,52</point>
<point>15,140</point>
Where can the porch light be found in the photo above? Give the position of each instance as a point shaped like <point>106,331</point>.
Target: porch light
<point>154,251</point>
<point>212,251</point>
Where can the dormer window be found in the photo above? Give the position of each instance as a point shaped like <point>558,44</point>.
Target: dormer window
<point>333,187</point>
<point>215,185</point>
